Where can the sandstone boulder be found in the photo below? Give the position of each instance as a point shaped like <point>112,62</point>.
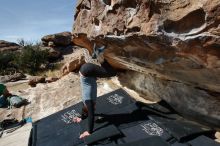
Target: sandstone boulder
<point>51,79</point>
<point>8,46</point>
<point>34,80</point>
<point>172,46</point>
<point>59,39</point>
<point>11,77</point>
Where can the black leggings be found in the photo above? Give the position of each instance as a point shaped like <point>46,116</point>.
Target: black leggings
<point>92,70</point>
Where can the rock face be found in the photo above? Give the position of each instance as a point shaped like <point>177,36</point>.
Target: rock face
<point>171,46</point>
<point>8,46</point>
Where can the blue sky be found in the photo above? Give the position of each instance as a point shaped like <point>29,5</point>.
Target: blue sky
<point>32,19</point>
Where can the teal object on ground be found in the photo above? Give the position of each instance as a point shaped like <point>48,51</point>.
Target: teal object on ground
<point>2,88</point>
<point>28,120</point>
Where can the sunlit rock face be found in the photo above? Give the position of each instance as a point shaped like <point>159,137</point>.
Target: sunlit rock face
<point>171,46</point>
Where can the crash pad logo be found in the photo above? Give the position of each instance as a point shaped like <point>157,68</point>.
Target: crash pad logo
<point>68,116</point>
<point>152,129</point>
<point>115,99</point>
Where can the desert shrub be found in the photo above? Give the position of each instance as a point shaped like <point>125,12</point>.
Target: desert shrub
<point>31,59</point>
<point>6,63</point>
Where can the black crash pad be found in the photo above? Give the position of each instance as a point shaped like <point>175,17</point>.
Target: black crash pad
<point>183,130</point>
<point>150,141</point>
<point>144,130</point>
<point>113,101</point>
<point>119,109</point>
<point>57,129</point>
<point>179,144</point>
<point>203,141</point>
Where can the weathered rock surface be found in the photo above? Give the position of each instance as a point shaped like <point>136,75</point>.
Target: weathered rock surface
<point>8,46</point>
<point>73,63</point>
<point>49,98</point>
<point>34,80</point>
<point>58,45</point>
<point>12,77</point>
<point>59,39</point>
<point>172,46</point>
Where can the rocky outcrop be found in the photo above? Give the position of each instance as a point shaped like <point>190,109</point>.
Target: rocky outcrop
<point>34,80</point>
<point>171,46</point>
<point>8,46</point>
<point>59,39</point>
<point>11,77</point>
<point>58,45</point>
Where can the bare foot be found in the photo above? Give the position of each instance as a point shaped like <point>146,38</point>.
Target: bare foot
<point>77,120</point>
<point>86,133</point>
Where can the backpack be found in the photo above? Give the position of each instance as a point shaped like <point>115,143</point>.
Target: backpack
<point>16,101</point>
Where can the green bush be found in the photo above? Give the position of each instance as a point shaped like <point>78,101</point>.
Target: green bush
<point>6,63</point>
<point>31,59</point>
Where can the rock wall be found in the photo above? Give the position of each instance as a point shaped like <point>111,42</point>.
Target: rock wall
<point>170,46</point>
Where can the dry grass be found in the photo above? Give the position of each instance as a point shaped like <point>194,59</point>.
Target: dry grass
<point>56,72</point>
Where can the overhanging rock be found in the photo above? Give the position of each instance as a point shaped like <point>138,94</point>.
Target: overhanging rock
<point>172,47</point>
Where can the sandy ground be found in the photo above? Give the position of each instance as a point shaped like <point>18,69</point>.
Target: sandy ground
<point>17,86</point>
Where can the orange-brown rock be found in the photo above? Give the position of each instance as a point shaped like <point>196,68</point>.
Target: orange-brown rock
<point>171,46</point>
<point>82,41</point>
<point>34,80</point>
<point>51,79</point>
<point>74,62</point>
